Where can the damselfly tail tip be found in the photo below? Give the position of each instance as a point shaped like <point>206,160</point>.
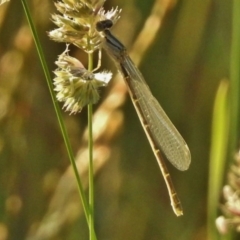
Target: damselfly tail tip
<point>178,212</point>
<point>176,205</point>
<point>177,209</point>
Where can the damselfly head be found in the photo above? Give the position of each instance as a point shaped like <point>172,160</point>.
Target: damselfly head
<point>103,25</point>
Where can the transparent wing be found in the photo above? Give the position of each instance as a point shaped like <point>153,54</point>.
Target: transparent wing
<point>153,118</point>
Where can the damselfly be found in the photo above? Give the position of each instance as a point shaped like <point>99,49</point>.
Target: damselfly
<point>160,131</point>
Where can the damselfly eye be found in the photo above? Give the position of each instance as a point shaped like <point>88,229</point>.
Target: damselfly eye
<point>103,25</point>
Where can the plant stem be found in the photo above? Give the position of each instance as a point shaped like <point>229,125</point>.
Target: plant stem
<point>91,167</point>
<point>91,173</point>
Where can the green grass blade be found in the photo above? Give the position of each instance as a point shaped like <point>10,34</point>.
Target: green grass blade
<point>235,80</point>
<point>219,145</point>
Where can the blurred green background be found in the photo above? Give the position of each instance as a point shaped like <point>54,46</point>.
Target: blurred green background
<point>184,66</point>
